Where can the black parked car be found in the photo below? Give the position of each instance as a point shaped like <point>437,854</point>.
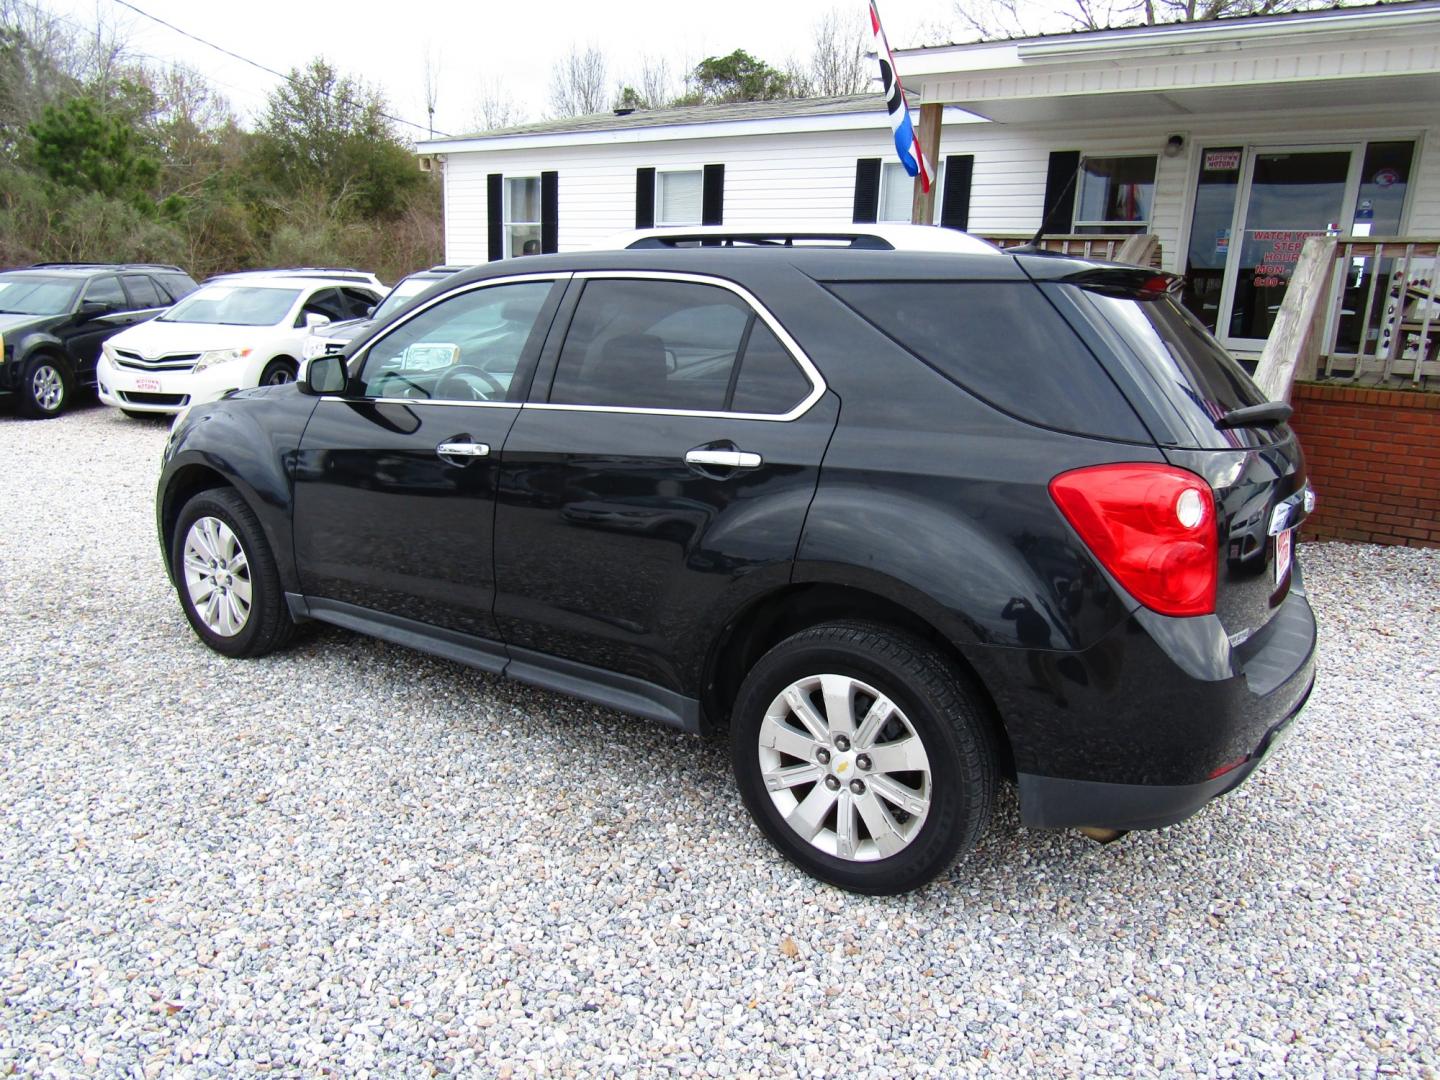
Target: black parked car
<point>54,317</point>
<point>905,524</point>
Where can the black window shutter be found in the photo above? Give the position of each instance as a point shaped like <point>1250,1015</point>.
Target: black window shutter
<point>712,196</point>
<point>644,198</point>
<point>867,190</point>
<point>495,196</point>
<point>1060,179</point>
<point>955,199</point>
<point>549,212</point>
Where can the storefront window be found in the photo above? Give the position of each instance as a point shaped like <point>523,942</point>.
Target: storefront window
<point>1116,195</point>
<point>1210,231</point>
<point>1379,206</point>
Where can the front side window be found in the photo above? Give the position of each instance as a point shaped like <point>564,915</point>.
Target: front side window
<point>522,215</point>
<point>673,345</point>
<point>234,305</point>
<point>1115,194</point>
<point>678,197</point>
<point>466,348</point>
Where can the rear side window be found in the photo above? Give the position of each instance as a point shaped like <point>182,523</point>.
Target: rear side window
<point>143,293</point>
<point>1004,343</point>
<point>673,345</point>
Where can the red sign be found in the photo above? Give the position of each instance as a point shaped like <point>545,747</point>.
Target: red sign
<point>1222,160</point>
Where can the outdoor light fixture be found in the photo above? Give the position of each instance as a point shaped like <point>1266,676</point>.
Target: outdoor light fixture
<point>1174,145</point>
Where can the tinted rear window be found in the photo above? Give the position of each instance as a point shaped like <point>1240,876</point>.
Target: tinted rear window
<point>1004,343</point>
<point>1199,378</point>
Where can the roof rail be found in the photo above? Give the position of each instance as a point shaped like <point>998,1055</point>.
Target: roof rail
<point>112,266</point>
<point>762,239</point>
<point>880,236</point>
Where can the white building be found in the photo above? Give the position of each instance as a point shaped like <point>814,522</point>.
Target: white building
<point>1230,141</point>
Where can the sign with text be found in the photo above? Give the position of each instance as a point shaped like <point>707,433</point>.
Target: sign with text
<point>1222,160</point>
<point>1276,251</point>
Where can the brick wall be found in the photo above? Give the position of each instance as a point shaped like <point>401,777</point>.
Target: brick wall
<point>1374,461</point>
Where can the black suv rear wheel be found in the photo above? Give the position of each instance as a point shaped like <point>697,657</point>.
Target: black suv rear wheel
<point>862,757</point>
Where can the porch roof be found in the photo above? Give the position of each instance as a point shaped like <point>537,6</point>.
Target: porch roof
<point>1381,55</point>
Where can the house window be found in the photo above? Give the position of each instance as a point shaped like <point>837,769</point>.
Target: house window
<point>522,215</point>
<point>897,191</point>
<point>1115,195</point>
<point>678,197</point>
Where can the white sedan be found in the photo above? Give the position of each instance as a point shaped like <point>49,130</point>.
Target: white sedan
<point>226,336</point>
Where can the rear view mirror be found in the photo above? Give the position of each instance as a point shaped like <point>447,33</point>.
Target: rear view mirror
<point>325,375</point>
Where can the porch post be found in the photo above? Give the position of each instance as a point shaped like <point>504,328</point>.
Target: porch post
<point>922,210</point>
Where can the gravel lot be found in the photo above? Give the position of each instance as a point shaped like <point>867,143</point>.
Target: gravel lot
<point>355,860</point>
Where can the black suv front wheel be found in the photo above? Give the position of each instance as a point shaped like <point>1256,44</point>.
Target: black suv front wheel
<point>45,387</point>
<point>226,576</point>
<point>862,757</point>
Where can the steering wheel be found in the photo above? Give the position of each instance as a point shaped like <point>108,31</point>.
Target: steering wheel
<point>461,376</point>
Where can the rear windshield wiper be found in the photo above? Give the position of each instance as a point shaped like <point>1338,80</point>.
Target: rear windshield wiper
<point>1266,414</point>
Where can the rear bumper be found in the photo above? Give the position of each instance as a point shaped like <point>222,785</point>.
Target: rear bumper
<point>1049,802</point>
<point>1179,717</point>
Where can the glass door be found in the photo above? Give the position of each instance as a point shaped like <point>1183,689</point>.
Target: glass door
<point>1286,195</point>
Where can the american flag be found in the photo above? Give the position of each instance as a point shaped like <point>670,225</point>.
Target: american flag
<point>907,143</point>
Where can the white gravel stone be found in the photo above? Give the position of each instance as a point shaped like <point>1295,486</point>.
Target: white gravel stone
<point>357,859</point>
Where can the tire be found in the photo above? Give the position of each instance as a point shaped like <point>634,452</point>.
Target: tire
<point>947,790</point>
<point>279,371</point>
<point>217,525</point>
<point>46,387</point>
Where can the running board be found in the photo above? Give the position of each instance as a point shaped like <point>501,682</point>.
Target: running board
<point>624,693</point>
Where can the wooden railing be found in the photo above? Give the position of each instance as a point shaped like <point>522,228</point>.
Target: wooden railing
<point>1357,307</point>
<point>1143,248</point>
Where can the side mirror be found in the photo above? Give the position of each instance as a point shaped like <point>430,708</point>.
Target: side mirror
<point>93,309</point>
<point>370,311</point>
<point>313,320</point>
<point>325,375</point>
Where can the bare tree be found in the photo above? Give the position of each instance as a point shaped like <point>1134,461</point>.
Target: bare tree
<point>991,19</point>
<point>654,87</point>
<point>577,83</point>
<point>838,64</point>
<point>431,77</point>
<point>494,108</point>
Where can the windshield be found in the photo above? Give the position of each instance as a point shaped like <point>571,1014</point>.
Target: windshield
<point>402,292</point>
<point>36,295</point>
<point>233,305</point>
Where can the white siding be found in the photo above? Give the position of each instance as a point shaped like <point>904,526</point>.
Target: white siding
<point>807,180</point>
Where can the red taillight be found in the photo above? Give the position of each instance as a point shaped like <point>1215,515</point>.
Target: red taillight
<point>1151,526</point>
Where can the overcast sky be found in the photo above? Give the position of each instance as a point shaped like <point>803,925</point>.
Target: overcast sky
<point>514,42</point>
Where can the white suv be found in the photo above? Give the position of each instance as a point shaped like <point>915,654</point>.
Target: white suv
<point>230,334</point>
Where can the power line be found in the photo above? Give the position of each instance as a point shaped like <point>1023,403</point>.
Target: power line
<point>255,64</point>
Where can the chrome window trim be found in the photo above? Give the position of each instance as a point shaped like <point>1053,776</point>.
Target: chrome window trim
<point>797,354</point>
<point>423,401</point>
<point>359,359</point>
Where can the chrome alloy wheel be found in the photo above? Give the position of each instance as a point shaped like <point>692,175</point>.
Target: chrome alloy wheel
<point>47,387</point>
<point>845,767</point>
<point>217,576</point>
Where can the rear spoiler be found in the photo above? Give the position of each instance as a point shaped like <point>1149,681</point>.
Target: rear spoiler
<point>1130,282</point>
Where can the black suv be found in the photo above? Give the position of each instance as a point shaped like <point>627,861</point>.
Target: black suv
<point>906,524</point>
<point>54,317</point>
